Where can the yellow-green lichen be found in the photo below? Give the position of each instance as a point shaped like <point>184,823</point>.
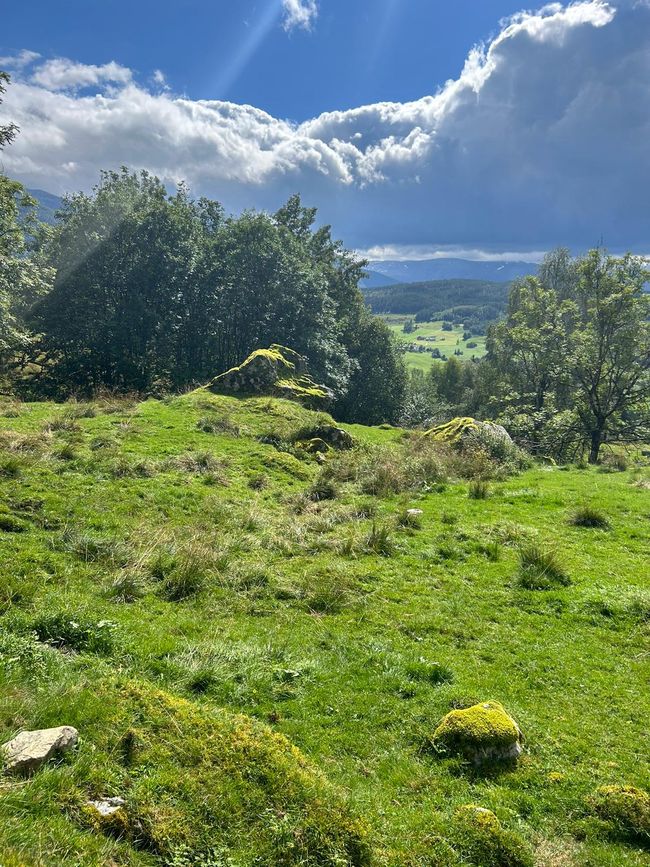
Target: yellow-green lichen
<point>453,431</point>
<point>482,732</point>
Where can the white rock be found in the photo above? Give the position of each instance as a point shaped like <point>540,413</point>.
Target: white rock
<point>29,750</point>
<point>107,806</point>
<point>414,512</point>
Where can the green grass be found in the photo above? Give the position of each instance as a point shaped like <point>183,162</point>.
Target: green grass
<point>446,341</point>
<point>334,622</point>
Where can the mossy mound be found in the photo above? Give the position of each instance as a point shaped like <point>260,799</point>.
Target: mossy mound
<point>458,430</point>
<point>212,783</point>
<point>482,733</point>
<point>482,840</point>
<point>276,372</point>
<point>626,810</point>
<point>329,434</point>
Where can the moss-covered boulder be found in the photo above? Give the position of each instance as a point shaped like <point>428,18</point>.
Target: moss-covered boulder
<point>482,733</point>
<point>626,810</point>
<point>459,430</point>
<point>197,782</point>
<point>274,372</point>
<point>482,840</point>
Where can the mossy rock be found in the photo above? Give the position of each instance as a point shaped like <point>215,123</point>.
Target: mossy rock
<point>625,809</point>
<point>481,733</point>
<point>276,372</point>
<point>313,446</point>
<point>482,840</point>
<point>458,430</point>
<point>203,781</point>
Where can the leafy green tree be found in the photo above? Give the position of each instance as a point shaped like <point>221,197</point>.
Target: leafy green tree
<point>377,386</point>
<point>22,277</point>
<point>609,350</point>
<point>573,353</point>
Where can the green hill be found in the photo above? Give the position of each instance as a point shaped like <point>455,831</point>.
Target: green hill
<point>477,302</point>
<point>257,640</point>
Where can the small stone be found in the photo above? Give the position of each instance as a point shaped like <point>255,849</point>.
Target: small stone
<point>107,806</point>
<point>29,750</point>
<point>414,513</point>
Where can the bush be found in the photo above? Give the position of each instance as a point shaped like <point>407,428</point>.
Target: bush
<point>540,569</point>
<point>626,810</point>
<point>68,630</point>
<point>591,517</point>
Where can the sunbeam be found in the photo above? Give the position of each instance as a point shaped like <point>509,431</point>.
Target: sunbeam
<point>244,53</point>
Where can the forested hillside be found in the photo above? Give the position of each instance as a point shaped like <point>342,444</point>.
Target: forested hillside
<point>474,302</point>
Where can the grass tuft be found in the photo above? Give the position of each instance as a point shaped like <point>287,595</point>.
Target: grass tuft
<point>541,569</point>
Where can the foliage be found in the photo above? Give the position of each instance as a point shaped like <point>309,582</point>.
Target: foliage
<point>578,344</point>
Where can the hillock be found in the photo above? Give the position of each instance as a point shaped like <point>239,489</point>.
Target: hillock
<point>256,641</point>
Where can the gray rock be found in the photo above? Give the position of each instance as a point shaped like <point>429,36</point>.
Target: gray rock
<point>107,806</point>
<point>29,750</point>
<point>414,513</point>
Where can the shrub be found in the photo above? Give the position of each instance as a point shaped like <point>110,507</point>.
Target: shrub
<point>478,490</point>
<point>540,569</point>
<point>76,633</point>
<point>626,809</point>
<point>591,517</point>
<point>484,842</point>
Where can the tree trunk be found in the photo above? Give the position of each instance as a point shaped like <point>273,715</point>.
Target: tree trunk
<point>596,443</point>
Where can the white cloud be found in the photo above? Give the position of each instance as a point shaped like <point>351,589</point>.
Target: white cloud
<point>64,74</point>
<point>541,140</point>
<point>299,13</point>
<point>19,61</point>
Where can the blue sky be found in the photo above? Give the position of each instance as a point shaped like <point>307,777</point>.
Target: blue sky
<point>417,127</point>
<point>356,51</point>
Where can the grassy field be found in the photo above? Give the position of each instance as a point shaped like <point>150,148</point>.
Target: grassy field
<point>446,341</point>
<point>186,566</point>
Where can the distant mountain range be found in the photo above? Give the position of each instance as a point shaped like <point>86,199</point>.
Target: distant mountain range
<point>48,204</point>
<point>421,270</point>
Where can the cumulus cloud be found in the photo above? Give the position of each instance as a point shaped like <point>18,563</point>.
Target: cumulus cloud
<point>64,74</point>
<point>541,140</point>
<point>299,13</point>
